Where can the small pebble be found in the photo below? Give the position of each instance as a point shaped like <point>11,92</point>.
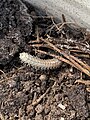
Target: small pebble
<point>38,117</point>
<point>72,114</point>
<point>27,86</point>
<point>30,110</point>
<point>43,77</point>
<point>61,106</point>
<point>11,83</point>
<point>62,118</point>
<point>47,110</point>
<point>39,108</point>
<point>19,94</point>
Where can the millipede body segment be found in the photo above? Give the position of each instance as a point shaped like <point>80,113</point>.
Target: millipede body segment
<point>39,63</point>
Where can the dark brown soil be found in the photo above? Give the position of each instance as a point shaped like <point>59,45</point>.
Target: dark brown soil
<point>21,86</point>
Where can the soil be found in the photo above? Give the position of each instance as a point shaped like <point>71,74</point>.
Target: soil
<point>28,93</point>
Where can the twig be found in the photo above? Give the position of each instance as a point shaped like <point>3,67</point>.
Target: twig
<point>63,18</point>
<point>83,64</point>
<point>40,98</point>
<point>38,40</point>
<point>86,82</point>
<point>55,24</point>
<point>88,89</point>
<point>61,24</point>
<point>81,55</point>
<point>3,74</point>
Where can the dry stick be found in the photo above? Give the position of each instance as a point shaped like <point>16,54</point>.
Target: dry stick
<point>68,57</point>
<point>80,52</point>
<point>3,74</point>
<point>81,55</point>
<point>86,82</point>
<point>40,98</point>
<point>62,24</point>
<point>83,64</point>
<point>37,45</point>
<point>41,45</point>
<point>63,18</point>
<point>88,89</point>
<point>65,23</point>
<point>55,24</point>
<point>37,34</point>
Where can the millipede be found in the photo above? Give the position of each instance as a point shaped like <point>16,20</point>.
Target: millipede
<point>39,63</point>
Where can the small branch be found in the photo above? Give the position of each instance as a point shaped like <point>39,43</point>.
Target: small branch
<point>86,82</point>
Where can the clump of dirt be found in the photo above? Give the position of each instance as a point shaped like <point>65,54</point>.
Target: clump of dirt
<point>28,93</point>
<point>16,24</point>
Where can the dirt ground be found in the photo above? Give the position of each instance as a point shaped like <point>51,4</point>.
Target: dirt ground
<point>30,93</point>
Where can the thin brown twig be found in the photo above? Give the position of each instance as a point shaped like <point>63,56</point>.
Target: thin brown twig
<point>86,82</point>
<point>38,40</point>
<point>40,98</point>
<point>88,89</point>
<point>76,50</point>
<point>3,74</point>
<point>63,18</point>
<point>55,24</point>
<point>83,64</point>
<point>40,45</point>
<point>81,55</point>
<point>60,25</point>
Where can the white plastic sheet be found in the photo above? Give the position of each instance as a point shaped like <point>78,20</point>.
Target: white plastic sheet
<point>74,10</point>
